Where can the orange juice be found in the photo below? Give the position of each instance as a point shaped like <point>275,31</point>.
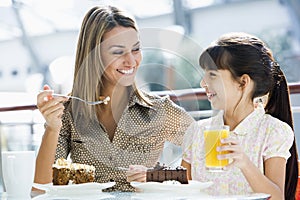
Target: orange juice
<point>212,136</point>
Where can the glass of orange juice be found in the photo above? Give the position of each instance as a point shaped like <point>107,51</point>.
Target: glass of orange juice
<point>212,136</point>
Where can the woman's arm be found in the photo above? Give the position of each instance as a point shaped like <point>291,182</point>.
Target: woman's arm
<point>177,122</point>
<point>46,157</point>
<point>52,110</point>
<point>136,173</point>
<point>188,168</point>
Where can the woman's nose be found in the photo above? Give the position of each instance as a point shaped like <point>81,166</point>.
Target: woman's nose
<point>129,59</point>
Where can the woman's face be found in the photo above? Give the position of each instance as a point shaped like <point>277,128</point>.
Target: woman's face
<point>121,56</point>
<point>222,90</point>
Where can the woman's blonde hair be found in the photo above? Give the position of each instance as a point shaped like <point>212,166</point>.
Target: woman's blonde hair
<point>89,69</point>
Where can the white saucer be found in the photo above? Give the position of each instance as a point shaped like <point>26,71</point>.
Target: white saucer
<point>74,189</point>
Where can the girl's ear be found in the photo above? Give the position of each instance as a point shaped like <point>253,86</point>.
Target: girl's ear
<point>245,81</point>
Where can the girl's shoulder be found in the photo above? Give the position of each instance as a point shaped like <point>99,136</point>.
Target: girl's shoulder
<point>275,125</point>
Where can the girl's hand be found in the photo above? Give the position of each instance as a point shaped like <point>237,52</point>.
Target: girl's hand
<point>51,108</point>
<point>136,173</point>
<point>235,152</point>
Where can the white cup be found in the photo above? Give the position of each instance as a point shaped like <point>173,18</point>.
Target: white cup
<point>18,171</point>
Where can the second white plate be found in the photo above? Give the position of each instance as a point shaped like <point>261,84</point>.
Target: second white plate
<point>192,186</point>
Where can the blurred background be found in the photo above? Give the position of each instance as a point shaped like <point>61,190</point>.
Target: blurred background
<point>38,37</point>
<point>38,42</point>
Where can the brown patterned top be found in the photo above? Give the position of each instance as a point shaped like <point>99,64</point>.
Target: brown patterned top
<point>139,138</point>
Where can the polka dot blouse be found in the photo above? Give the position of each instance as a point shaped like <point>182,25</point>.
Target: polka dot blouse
<point>138,140</point>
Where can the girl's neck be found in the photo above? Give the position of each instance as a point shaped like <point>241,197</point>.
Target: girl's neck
<point>234,117</point>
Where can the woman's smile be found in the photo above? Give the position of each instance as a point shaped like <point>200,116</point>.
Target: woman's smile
<point>126,71</point>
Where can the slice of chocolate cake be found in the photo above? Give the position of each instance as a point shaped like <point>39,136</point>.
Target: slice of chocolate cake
<point>161,173</point>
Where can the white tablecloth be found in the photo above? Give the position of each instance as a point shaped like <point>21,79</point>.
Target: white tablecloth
<point>136,196</point>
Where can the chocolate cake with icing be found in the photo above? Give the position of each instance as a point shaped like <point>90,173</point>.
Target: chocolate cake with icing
<point>161,173</point>
<point>65,172</point>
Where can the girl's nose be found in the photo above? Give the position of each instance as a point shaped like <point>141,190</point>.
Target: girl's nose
<point>203,84</point>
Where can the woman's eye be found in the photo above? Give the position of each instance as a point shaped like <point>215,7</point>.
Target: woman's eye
<point>118,52</point>
<point>136,49</point>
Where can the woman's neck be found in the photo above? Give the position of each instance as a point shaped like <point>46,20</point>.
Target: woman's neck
<point>118,98</point>
<point>110,114</point>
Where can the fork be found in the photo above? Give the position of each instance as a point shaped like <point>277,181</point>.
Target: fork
<point>127,169</point>
<point>104,101</point>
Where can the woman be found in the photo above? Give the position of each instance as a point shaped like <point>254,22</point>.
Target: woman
<point>130,129</point>
<point>239,68</point>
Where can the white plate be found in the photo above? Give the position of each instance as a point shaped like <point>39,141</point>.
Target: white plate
<point>97,196</point>
<point>84,188</point>
<point>257,196</point>
<point>192,186</point>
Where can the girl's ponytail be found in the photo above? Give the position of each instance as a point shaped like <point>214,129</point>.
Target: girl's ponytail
<point>279,106</point>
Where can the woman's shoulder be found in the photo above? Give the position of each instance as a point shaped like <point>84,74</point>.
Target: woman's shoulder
<point>152,96</point>
<point>165,104</point>
<point>159,101</point>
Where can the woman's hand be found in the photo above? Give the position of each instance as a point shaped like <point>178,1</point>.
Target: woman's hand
<point>136,173</point>
<point>235,152</point>
<point>51,108</point>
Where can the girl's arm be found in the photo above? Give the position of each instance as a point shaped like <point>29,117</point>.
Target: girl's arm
<point>271,182</point>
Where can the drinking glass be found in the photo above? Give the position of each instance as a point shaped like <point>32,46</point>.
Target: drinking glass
<point>212,136</point>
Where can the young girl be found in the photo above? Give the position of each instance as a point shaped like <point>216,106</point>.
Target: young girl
<point>238,68</point>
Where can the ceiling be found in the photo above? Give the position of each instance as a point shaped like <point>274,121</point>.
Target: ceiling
<point>39,17</point>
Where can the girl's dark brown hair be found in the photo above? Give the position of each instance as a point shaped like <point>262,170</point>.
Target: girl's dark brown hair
<point>241,53</point>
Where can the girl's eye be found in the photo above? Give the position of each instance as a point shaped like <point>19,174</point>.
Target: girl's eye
<point>211,74</point>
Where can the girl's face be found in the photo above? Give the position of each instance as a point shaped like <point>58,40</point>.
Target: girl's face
<point>222,90</point>
<point>121,56</point>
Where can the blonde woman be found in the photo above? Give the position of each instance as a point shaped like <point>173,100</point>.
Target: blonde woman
<point>131,129</point>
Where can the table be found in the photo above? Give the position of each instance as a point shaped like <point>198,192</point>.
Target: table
<point>171,195</point>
